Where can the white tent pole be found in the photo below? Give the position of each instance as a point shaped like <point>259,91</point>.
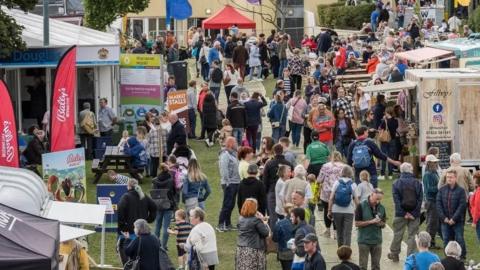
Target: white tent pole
<point>102,244</point>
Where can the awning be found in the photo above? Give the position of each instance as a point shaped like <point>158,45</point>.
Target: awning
<point>389,87</point>
<point>227,17</point>
<point>423,54</point>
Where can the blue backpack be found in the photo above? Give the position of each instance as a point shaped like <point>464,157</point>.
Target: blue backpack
<point>361,155</point>
<point>343,193</point>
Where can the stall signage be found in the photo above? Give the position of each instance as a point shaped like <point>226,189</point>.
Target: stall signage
<point>438,123</point>
<point>445,150</point>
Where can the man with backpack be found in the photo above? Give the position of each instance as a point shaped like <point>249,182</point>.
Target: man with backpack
<point>88,127</point>
<point>407,196</point>
<point>360,155</point>
<point>301,229</point>
<point>342,204</point>
<point>216,77</point>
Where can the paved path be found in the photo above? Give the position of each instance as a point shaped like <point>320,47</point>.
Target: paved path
<point>328,245</point>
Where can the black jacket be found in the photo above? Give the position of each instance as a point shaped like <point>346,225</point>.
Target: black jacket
<point>131,208</point>
<point>209,114</point>
<point>451,203</point>
<point>450,263</point>
<point>345,265</point>
<point>149,251</point>
<point>324,42</point>
<point>177,135</point>
<point>263,50</point>
<point>270,172</point>
<point>315,262</point>
<point>251,187</point>
<point>33,152</point>
<point>229,47</point>
<point>165,181</point>
<point>236,114</point>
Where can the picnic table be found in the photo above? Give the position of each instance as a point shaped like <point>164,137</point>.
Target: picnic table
<point>114,159</point>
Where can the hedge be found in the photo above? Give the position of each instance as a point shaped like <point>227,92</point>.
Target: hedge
<point>338,15</point>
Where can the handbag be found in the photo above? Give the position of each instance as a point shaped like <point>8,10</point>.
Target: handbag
<point>276,124</point>
<point>270,245</point>
<point>134,264</point>
<point>227,79</point>
<point>384,134</point>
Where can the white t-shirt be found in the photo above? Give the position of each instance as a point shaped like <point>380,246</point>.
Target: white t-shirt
<point>233,77</point>
<point>349,209</point>
<point>364,101</point>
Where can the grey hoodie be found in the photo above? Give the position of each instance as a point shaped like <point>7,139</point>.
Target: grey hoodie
<point>228,165</point>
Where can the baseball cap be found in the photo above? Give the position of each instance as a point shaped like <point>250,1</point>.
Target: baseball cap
<point>311,237</point>
<point>252,168</point>
<point>431,158</point>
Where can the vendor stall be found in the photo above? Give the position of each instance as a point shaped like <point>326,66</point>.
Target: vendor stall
<point>425,57</point>
<point>465,50</point>
<point>441,108</point>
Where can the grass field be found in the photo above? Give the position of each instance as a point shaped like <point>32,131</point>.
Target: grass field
<point>226,242</point>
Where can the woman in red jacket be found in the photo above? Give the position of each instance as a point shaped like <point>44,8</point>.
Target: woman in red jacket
<point>475,204</point>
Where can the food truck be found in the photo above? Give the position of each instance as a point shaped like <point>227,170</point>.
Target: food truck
<point>441,108</point>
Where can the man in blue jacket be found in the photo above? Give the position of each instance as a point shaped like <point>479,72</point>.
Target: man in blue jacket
<point>407,197</point>
<point>451,206</point>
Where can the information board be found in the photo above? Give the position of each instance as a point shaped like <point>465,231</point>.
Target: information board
<point>445,150</point>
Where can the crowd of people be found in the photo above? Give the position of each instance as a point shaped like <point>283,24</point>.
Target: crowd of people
<point>351,140</point>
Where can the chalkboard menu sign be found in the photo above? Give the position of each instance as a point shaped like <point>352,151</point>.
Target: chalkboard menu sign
<point>445,148</point>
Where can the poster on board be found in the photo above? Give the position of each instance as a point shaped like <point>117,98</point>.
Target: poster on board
<point>140,88</point>
<point>64,173</point>
<point>177,103</point>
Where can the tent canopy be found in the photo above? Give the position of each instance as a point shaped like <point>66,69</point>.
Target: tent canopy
<point>27,241</point>
<point>423,54</point>
<point>227,17</point>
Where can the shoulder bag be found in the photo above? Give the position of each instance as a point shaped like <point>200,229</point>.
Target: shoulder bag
<point>134,264</point>
<point>292,109</point>
<point>276,124</point>
<point>384,134</point>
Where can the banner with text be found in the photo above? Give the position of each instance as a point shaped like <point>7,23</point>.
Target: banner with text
<point>8,130</point>
<point>177,103</point>
<point>62,116</point>
<point>140,88</point>
<point>64,173</point>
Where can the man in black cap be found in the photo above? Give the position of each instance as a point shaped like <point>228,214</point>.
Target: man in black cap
<point>251,187</point>
<point>314,260</point>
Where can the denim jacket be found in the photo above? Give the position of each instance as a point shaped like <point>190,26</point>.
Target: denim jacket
<point>200,189</point>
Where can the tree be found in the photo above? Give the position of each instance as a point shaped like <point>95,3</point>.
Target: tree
<point>101,13</point>
<point>10,31</point>
<point>277,10</point>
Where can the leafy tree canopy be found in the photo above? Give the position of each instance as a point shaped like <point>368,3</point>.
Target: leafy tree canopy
<point>10,31</point>
<point>101,13</point>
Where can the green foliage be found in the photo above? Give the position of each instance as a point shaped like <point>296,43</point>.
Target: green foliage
<point>474,20</point>
<point>100,14</point>
<point>10,31</point>
<point>338,15</point>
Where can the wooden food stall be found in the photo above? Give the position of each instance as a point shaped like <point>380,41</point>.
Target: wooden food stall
<point>442,110</point>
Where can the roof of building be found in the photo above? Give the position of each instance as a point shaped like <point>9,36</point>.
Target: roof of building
<point>61,33</point>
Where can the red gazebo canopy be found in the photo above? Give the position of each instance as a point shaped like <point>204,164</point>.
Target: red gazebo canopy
<point>227,17</point>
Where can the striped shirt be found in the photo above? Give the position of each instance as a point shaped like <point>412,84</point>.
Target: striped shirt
<point>121,179</point>
<point>183,228</point>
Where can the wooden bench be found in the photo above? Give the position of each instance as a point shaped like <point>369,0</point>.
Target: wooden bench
<point>354,78</point>
<point>355,71</point>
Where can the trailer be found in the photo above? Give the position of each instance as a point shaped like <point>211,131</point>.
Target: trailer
<point>442,110</point>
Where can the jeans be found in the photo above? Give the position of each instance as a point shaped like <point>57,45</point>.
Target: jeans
<point>229,199</point>
<point>454,232</point>
<point>275,63</point>
<point>238,133</point>
<point>259,138</point>
<point>192,121</point>
<point>399,225</point>
<point>216,92</point>
<point>341,147</point>
<point>328,222</point>
<point>375,252</point>
<point>163,221</point>
<point>205,70</point>
<point>154,162</point>
<point>390,149</point>
<point>258,69</point>
<point>277,133</point>
<point>344,224</point>
<point>297,82</point>
<point>296,132</point>
<point>252,136</point>
<point>228,90</point>
<point>271,204</point>
<point>283,64</point>
<point>311,207</point>
<point>433,221</point>
<point>401,19</point>
<point>201,205</point>
<point>87,142</point>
